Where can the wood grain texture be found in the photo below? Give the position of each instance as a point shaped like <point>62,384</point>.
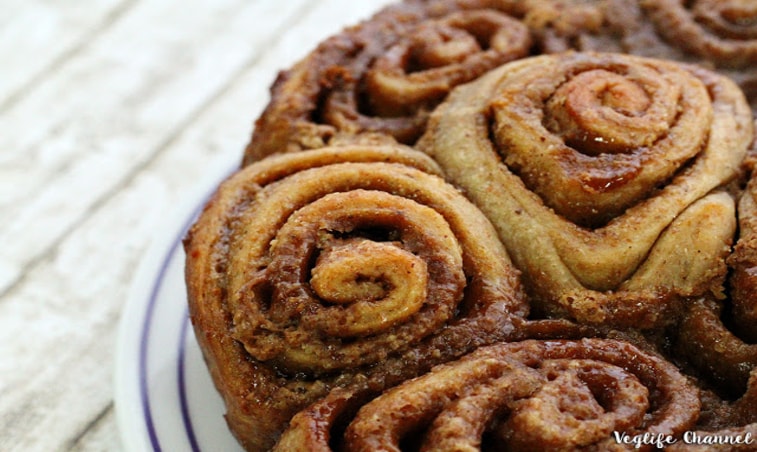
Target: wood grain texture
<point>111,113</point>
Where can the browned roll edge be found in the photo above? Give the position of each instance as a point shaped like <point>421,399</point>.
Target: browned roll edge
<point>229,308</point>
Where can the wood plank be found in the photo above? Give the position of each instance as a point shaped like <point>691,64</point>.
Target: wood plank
<point>101,435</point>
<point>38,37</point>
<point>112,107</point>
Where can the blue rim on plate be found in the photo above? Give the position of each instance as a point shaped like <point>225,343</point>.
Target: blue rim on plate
<point>143,349</point>
<point>164,397</point>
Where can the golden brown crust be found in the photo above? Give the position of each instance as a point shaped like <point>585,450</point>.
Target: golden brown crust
<point>743,262</point>
<point>724,32</point>
<point>618,184</point>
<point>498,139</point>
<point>717,34</point>
<point>379,80</point>
<point>335,267</point>
<point>718,336</point>
<point>713,349</point>
<point>530,395</point>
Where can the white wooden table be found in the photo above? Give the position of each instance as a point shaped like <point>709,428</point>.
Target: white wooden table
<point>111,112</point>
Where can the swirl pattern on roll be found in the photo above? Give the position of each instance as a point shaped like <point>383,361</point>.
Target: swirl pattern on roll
<point>380,79</point>
<point>718,34</point>
<point>721,31</point>
<point>529,395</point>
<point>354,265</point>
<point>602,173</point>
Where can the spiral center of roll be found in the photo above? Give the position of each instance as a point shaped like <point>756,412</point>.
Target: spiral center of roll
<point>599,111</point>
<point>734,19</point>
<point>588,398</point>
<point>629,100</point>
<point>420,69</point>
<point>462,36</point>
<point>440,46</point>
<point>734,12</point>
<point>351,276</point>
<point>378,284</point>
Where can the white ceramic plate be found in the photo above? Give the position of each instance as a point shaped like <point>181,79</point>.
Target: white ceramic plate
<point>165,399</point>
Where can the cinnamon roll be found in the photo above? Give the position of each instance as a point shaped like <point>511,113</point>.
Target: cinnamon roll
<point>530,395</point>
<point>604,175</point>
<point>378,81</point>
<point>353,266</point>
<point>717,34</point>
<point>721,31</point>
<point>718,336</point>
<point>582,25</point>
<point>721,34</point>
